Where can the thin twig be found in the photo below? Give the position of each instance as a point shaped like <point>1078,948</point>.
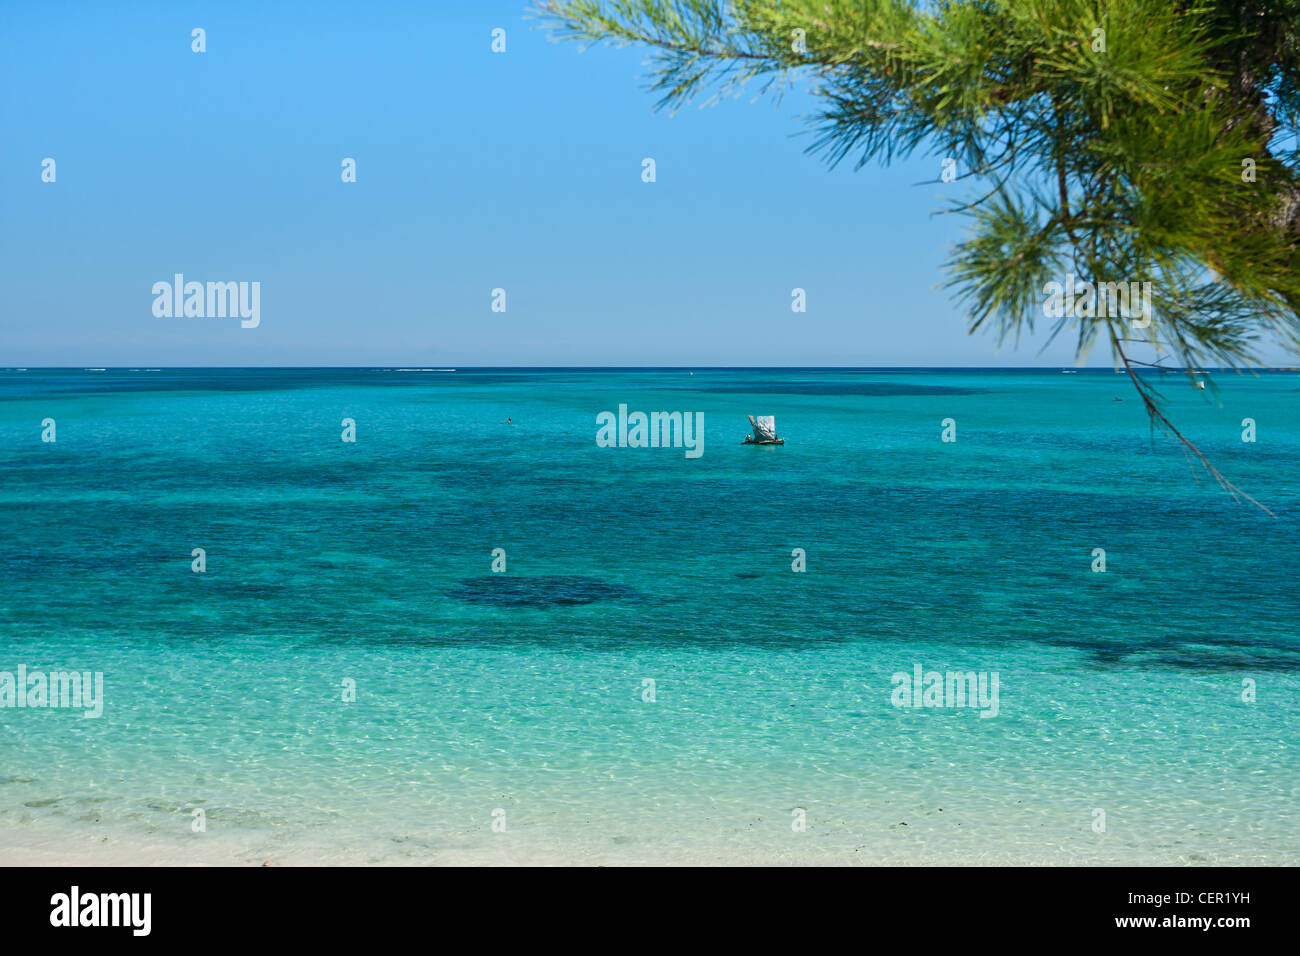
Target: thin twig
<point>1156,415</point>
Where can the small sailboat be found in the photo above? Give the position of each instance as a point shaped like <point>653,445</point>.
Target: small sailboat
<point>764,431</point>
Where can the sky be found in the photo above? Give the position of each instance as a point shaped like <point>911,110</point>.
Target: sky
<point>475,171</point>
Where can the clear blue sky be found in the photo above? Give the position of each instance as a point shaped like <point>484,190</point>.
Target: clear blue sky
<point>475,171</point>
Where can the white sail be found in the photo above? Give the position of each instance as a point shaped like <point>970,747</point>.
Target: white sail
<point>764,427</point>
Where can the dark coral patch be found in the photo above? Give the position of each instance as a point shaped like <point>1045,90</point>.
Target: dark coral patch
<point>547,591</point>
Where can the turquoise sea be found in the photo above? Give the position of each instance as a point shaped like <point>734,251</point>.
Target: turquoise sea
<point>1147,714</point>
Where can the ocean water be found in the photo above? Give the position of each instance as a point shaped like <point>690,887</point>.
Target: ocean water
<point>1159,698</point>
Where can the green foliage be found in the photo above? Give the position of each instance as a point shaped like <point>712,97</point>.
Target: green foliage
<point>1114,155</point>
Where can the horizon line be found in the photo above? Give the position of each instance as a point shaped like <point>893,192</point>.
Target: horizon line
<point>646,368</point>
